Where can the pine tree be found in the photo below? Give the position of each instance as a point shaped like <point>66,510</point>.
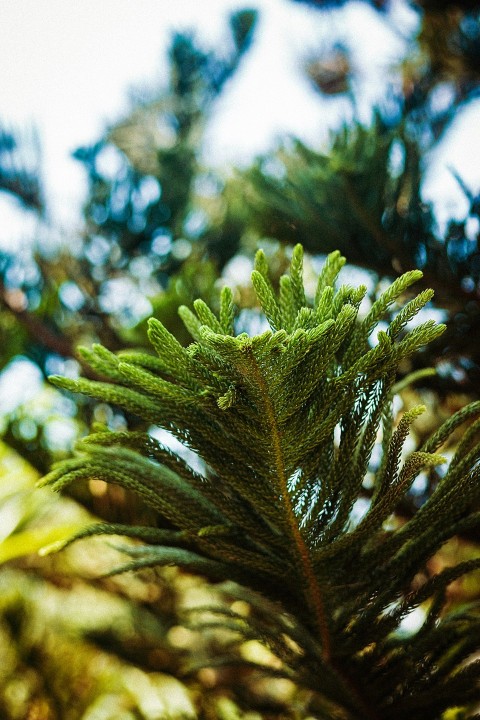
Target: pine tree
<point>285,423</point>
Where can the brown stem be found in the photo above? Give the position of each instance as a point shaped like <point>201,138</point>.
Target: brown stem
<point>314,596</point>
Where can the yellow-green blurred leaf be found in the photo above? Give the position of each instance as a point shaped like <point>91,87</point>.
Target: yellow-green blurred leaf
<point>34,539</point>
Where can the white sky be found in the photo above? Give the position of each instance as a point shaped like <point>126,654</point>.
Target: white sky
<point>67,67</point>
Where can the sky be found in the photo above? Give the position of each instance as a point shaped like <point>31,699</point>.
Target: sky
<point>69,65</point>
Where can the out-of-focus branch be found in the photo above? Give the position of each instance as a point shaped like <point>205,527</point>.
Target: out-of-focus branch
<point>36,327</point>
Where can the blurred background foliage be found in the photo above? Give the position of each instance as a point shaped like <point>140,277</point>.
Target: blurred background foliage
<point>162,227</point>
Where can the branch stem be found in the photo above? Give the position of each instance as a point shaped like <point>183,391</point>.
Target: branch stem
<point>314,597</point>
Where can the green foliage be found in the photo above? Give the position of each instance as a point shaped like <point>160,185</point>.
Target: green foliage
<point>53,664</point>
<point>138,252</point>
<point>362,194</point>
<point>20,167</point>
<point>156,149</point>
<point>330,199</point>
<point>284,424</point>
<point>29,521</point>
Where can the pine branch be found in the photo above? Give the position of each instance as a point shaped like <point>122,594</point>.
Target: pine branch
<point>284,425</point>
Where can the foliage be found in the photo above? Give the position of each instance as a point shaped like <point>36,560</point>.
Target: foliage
<point>285,424</point>
<point>362,192</point>
<point>159,226</point>
<point>157,222</point>
<point>138,219</point>
<point>148,202</point>
<point>54,666</point>
<point>29,521</point>
<point>20,167</point>
<point>75,647</point>
<point>139,205</point>
<point>45,635</point>
<point>328,200</point>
